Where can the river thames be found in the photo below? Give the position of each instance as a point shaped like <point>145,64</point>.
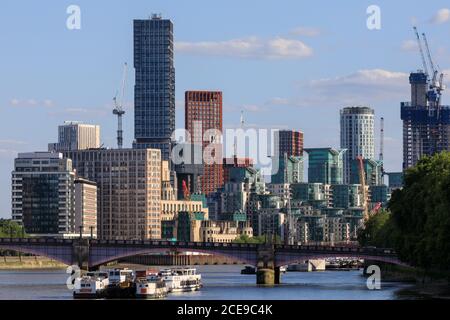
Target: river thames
<point>220,283</point>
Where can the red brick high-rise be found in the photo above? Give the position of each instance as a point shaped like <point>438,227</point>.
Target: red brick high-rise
<point>205,108</point>
<point>289,142</point>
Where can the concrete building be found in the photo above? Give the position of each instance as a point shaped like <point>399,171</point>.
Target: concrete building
<point>204,123</point>
<point>325,165</point>
<point>154,90</point>
<point>224,231</point>
<point>357,136</point>
<point>426,123</point>
<point>289,142</point>
<point>86,207</point>
<point>129,190</point>
<point>76,136</point>
<point>43,194</point>
<point>188,167</point>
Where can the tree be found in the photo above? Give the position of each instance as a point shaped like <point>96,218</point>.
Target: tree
<point>256,240</point>
<point>379,231</point>
<point>421,214</point>
<point>9,228</point>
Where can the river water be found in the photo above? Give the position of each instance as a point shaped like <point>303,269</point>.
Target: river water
<point>220,283</point>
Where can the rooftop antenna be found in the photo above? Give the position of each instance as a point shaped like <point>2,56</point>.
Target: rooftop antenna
<point>118,108</point>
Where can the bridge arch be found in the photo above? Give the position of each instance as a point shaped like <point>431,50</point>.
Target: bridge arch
<point>39,251</point>
<point>287,259</point>
<point>100,256</point>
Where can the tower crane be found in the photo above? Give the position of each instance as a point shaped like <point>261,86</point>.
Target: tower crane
<point>362,181</point>
<point>434,83</point>
<point>118,108</point>
<point>381,156</point>
<point>421,52</point>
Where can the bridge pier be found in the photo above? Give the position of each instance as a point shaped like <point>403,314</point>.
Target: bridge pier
<point>267,273</point>
<point>80,253</point>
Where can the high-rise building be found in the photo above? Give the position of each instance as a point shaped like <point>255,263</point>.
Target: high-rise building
<point>234,162</point>
<point>204,123</point>
<point>357,136</point>
<point>43,194</point>
<point>76,136</point>
<point>289,142</point>
<point>154,91</point>
<point>129,190</point>
<point>325,165</point>
<point>86,207</point>
<point>426,123</point>
<point>289,170</point>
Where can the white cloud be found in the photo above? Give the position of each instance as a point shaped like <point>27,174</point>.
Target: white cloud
<point>366,86</point>
<point>306,31</point>
<point>30,102</point>
<point>410,45</point>
<point>442,16</point>
<point>252,47</point>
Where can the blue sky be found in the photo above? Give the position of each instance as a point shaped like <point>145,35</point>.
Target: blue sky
<point>287,64</point>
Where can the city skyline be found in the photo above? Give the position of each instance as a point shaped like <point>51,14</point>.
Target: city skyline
<point>372,74</point>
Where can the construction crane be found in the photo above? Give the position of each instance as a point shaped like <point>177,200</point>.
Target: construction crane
<point>381,156</point>
<point>186,192</point>
<point>118,108</point>
<point>362,181</point>
<point>291,229</point>
<point>434,82</point>
<point>421,51</point>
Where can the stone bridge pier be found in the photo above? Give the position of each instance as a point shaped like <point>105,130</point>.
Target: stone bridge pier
<point>266,271</point>
<point>80,253</point>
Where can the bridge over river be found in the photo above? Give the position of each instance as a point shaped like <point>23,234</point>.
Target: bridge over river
<point>90,254</point>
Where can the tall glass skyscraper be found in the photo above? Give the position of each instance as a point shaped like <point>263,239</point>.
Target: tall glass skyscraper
<point>154,91</point>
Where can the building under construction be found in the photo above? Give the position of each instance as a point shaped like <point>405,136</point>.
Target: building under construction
<point>426,122</point>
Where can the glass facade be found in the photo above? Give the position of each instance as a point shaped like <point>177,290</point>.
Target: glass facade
<point>326,165</point>
<point>154,93</point>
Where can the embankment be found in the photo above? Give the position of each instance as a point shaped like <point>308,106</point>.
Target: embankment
<point>29,262</point>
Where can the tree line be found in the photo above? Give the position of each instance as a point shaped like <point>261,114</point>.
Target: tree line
<point>417,220</point>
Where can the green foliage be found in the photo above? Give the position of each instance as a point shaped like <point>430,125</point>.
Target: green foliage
<point>379,231</point>
<point>9,229</point>
<point>420,223</point>
<point>256,240</point>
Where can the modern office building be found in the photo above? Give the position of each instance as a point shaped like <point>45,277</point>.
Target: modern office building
<point>204,124</point>
<point>426,123</point>
<point>234,162</point>
<point>129,190</point>
<point>325,165</point>
<point>357,136</point>
<point>154,91</point>
<point>76,136</point>
<point>86,207</point>
<point>43,194</point>
<point>289,142</point>
<point>289,170</point>
<point>372,170</point>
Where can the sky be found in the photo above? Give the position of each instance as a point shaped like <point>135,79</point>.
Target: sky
<point>287,64</point>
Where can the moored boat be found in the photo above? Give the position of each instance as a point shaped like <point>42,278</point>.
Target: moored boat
<point>91,285</point>
<point>181,279</point>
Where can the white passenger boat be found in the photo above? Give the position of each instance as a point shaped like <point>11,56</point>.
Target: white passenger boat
<point>181,280</point>
<point>91,285</point>
<point>152,287</point>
